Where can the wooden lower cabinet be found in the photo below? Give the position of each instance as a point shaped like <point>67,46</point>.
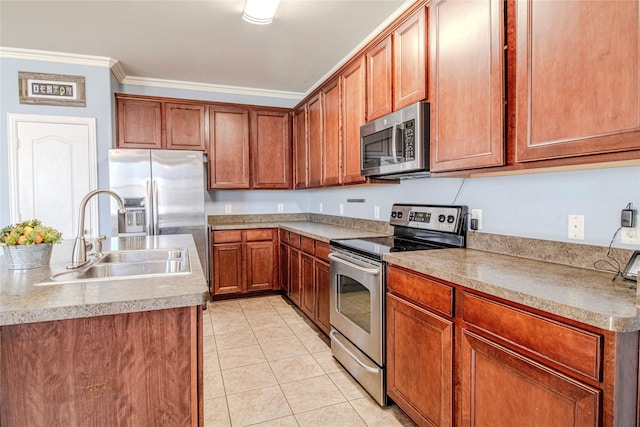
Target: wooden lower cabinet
<point>284,267</point>
<point>500,387</point>
<point>459,357</point>
<point>307,275</point>
<point>420,362</point>
<point>243,261</point>
<point>135,369</point>
<point>323,286</point>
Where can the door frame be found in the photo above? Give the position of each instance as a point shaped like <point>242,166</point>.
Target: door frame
<point>13,120</point>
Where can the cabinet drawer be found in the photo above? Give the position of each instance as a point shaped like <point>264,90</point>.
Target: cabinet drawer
<point>294,240</point>
<point>573,348</point>
<point>284,236</point>
<point>421,290</point>
<point>259,234</point>
<point>227,236</point>
<point>322,250</point>
<point>307,245</point>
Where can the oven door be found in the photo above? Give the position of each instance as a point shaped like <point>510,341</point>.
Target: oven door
<point>357,307</point>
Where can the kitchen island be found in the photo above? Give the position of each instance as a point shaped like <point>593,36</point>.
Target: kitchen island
<point>107,352</point>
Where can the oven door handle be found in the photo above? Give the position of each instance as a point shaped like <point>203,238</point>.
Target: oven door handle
<point>372,271</point>
<point>336,340</point>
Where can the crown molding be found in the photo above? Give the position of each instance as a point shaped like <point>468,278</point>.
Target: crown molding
<point>119,72</point>
<point>206,87</point>
<point>49,56</point>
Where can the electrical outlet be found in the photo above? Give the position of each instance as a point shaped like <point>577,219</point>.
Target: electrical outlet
<point>320,207</point>
<point>477,215</point>
<point>576,227</point>
<point>280,207</point>
<point>227,208</point>
<point>341,208</point>
<point>376,212</point>
<point>630,235</point>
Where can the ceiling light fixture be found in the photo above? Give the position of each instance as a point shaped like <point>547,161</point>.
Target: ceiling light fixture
<point>260,12</point>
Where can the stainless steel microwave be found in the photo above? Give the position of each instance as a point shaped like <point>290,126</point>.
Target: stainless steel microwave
<point>396,145</point>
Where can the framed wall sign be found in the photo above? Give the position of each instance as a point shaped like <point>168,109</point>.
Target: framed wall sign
<point>51,89</point>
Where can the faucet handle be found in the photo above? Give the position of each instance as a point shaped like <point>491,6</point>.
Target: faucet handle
<point>98,251</point>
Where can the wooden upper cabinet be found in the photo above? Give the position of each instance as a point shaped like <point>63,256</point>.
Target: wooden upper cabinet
<point>315,138</point>
<point>409,61</point>
<point>578,80</point>
<point>467,104</point>
<point>353,116</point>
<point>139,123</point>
<point>301,156</point>
<point>379,72</point>
<point>185,126</point>
<point>270,149</point>
<point>331,149</point>
<point>228,147</point>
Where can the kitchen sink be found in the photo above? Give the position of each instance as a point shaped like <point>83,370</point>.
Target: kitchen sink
<point>129,264</point>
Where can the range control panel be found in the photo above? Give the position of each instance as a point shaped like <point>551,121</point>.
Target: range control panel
<point>447,219</point>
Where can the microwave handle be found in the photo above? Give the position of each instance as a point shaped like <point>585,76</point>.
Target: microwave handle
<point>394,137</point>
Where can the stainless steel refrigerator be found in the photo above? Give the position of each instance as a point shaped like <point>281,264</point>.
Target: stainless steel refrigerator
<point>163,191</point>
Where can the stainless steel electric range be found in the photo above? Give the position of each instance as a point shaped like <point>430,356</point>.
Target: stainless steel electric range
<point>358,285</point>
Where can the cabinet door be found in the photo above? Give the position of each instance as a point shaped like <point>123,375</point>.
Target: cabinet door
<point>184,126</point>
<point>261,265</point>
<point>578,79</point>
<point>284,268</point>
<point>227,268</point>
<point>322,280</point>
<point>379,80</point>
<point>409,63</point>
<point>499,387</point>
<point>301,147</point>
<point>315,137</point>
<point>139,123</point>
<point>331,153</point>
<point>467,111</point>
<point>307,286</point>
<point>420,363</point>
<point>294,278</point>
<point>270,149</point>
<point>353,116</point>
<point>228,148</point>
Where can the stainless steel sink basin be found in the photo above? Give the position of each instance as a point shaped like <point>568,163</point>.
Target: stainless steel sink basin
<point>129,264</point>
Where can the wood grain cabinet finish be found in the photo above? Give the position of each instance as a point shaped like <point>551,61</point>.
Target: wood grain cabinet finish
<point>294,275</point>
<point>409,61</point>
<point>379,79</point>
<point>352,117</point>
<point>270,149</point>
<point>137,369</point>
<point>185,126</point>
<point>577,90</point>
<point>139,123</point>
<point>500,387</point>
<point>467,81</point>
<point>315,140</point>
<point>331,147</point>
<point>322,279</point>
<point>307,286</point>
<point>228,147</point>
<point>420,362</point>
<point>244,261</point>
<point>301,151</point>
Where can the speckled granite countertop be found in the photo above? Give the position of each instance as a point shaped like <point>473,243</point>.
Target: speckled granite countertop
<point>314,230</point>
<point>22,302</point>
<point>587,296</point>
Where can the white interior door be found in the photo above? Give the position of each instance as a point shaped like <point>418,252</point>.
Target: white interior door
<point>52,165</point>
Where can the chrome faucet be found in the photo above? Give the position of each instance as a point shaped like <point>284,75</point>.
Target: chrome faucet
<point>79,257</point>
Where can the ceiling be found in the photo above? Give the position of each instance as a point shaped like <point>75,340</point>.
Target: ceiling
<point>203,42</point>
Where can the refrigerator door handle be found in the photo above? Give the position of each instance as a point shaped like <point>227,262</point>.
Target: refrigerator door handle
<point>149,210</point>
<point>156,228</point>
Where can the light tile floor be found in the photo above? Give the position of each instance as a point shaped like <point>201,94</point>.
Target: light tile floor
<point>266,364</point>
